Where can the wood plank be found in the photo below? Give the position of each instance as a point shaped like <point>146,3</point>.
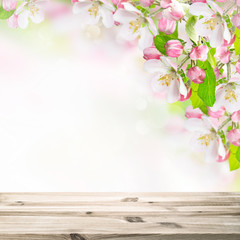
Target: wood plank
<point>120,216</point>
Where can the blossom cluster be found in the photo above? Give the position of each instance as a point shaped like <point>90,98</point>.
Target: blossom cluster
<point>17,13</point>
<point>191,47</point>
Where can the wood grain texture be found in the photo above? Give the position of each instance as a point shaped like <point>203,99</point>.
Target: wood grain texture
<point>119,216</point>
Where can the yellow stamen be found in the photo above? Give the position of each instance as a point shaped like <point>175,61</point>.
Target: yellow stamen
<point>211,23</point>
<point>206,139</point>
<point>135,25</point>
<point>93,10</point>
<point>230,95</point>
<point>166,79</point>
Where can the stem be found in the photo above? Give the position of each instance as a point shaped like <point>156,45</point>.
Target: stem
<point>156,12</point>
<point>182,63</point>
<point>224,123</point>
<point>228,71</point>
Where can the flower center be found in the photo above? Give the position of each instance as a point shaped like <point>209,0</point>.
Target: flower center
<point>135,25</point>
<point>33,9</point>
<point>230,95</point>
<point>93,10</point>
<point>166,79</point>
<point>211,23</point>
<point>206,139</point>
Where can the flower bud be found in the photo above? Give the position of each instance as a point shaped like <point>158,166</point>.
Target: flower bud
<point>236,117</point>
<point>199,53</point>
<point>223,54</point>
<point>166,26</point>
<point>216,114</point>
<point>189,93</point>
<point>9,5</point>
<point>173,48</point>
<point>174,12</point>
<point>196,74</point>
<point>221,159</point>
<point>238,66</point>
<point>234,137</point>
<point>165,3</point>
<point>146,3</point>
<point>151,53</point>
<point>193,113</point>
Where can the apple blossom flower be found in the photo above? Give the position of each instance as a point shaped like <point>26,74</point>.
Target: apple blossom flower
<point>93,11</point>
<point>151,53</point>
<point>29,9</point>
<point>196,74</point>
<point>165,3</point>
<point>223,54</point>
<point>199,53</point>
<point>135,25</point>
<point>166,78</point>
<point>206,138</point>
<point>9,5</point>
<point>228,96</point>
<point>167,26</point>
<point>174,48</point>
<point>234,137</point>
<point>193,113</point>
<point>236,117</point>
<point>212,25</point>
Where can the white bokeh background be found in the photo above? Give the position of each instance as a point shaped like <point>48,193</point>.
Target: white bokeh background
<point>77,114</point>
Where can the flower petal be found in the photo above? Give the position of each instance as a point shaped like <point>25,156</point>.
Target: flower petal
<point>154,65</point>
<point>173,94</point>
<point>199,9</point>
<point>124,16</point>
<point>107,17</point>
<point>23,19</point>
<point>211,154</point>
<point>195,125</point>
<point>146,38</point>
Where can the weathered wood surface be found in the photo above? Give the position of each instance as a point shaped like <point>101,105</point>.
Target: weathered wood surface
<point>120,216</point>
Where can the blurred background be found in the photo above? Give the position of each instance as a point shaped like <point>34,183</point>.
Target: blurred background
<point>77,114</point>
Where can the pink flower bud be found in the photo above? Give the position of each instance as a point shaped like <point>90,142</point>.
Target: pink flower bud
<point>216,114</point>
<point>236,117</point>
<point>9,5</point>
<point>223,54</point>
<point>175,12</point>
<point>189,93</point>
<point>238,66</point>
<point>166,26</point>
<point>199,53</point>
<point>173,48</point>
<point>234,137</point>
<point>151,53</point>
<point>13,21</point>
<point>193,113</point>
<point>165,3</point>
<point>146,3</point>
<point>196,74</point>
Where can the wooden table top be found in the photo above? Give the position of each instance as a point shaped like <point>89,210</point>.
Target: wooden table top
<point>120,216</point>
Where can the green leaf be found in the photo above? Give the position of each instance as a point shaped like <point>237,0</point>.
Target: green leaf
<point>237,42</point>
<point>206,90</point>
<point>5,14</point>
<point>233,161</point>
<point>211,58</point>
<point>190,30</point>
<point>238,154</point>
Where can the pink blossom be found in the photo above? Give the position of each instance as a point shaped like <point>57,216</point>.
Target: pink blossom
<point>193,113</point>
<point>196,74</point>
<point>236,117</point>
<point>199,53</point>
<point>217,72</point>
<point>9,5</point>
<point>173,48</point>
<point>223,54</point>
<point>238,66</point>
<point>13,21</point>
<point>234,137</point>
<point>238,2</point>
<point>166,26</point>
<point>151,53</point>
<point>216,114</point>
<point>146,3</point>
